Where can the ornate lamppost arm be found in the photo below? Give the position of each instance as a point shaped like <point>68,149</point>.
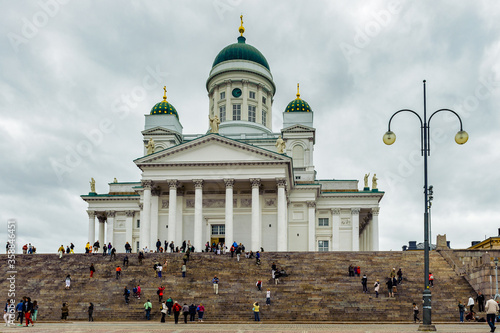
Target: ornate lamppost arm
<point>461,137</point>
<point>390,137</point>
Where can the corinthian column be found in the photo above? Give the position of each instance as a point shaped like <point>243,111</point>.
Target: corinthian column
<point>110,226</point>
<point>355,228</point>
<point>229,211</point>
<point>255,214</point>
<point>102,219</point>
<point>282,206</point>
<point>145,232</point>
<point>91,236</point>
<point>374,229</point>
<point>172,211</point>
<point>198,213</point>
<point>312,225</point>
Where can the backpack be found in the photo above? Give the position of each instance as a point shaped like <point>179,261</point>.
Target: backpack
<point>158,292</point>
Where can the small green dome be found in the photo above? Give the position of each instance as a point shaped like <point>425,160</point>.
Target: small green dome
<point>298,105</point>
<point>241,51</point>
<point>164,107</point>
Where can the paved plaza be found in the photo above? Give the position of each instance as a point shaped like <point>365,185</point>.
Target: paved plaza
<point>135,326</point>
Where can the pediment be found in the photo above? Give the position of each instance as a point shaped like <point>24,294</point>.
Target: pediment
<point>298,128</point>
<point>158,131</point>
<point>212,149</point>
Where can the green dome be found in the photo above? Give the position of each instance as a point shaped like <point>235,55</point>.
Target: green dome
<point>298,105</point>
<point>164,107</point>
<point>241,51</point>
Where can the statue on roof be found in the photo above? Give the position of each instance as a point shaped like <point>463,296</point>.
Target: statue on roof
<point>214,124</point>
<point>366,179</point>
<point>150,146</point>
<point>115,180</point>
<point>280,145</point>
<point>374,181</point>
<point>92,185</point>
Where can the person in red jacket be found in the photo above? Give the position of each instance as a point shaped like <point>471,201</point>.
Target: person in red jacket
<point>177,311</point>
<point>160,293</point>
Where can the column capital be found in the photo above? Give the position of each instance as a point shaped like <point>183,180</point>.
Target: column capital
<point>130,213</point>
<point>141,206</point>
<point>91,214</point>
<point>228,81</point>
<point>375,210</point>
<point>336,211</point>
<point>255,182</point>
<point>245,82</point>
<point>281,182</point>
<point>101,218</point>
<point>110,213</point>
<point>147,184</point>
<point>355,210</point>
<point>229,182</point>
<point>311,204</point>
<point>198,183</point>
<point>173,183</point>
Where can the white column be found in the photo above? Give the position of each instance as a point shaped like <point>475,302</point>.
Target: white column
<point>255,214</point>
<point>153,236</point>
<point>91,235</point>
<point>198,213</point>
<point>101,239</point>
<point>336,229</point>
<point>179,230</point>
<point>110,227</point>
<point>145,232</point>
<point>374,222</point>
<point>229,109</point>
<point>172,211</point>
<point>369,237</point>
<point>258,116</point>
<point>129,221</point>
<point>282,206</point>
<point>244,106</point>
<point>229,212</point>
<point>355,228</point>
<point>311,206</point>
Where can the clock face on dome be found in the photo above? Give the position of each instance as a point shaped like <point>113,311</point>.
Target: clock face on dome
<point>236,92</point>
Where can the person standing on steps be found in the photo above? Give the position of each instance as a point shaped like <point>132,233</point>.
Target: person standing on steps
<point>480,302</point>
<point>259,285</point>
<point>400,276</point>
<point>163,311</point>
<point>60,251</point>
<point>118,272</point>
<point>183,270</point>
<point>215,282</point>
<point>470,304</point>
<point>27,308</point>
<point>20,314</point>
<point>138,291</point>
<point>91,312</point>
<point>64,311</point>
<point>415,313</point>
<point>126,294</point>
<point>201,312</point>
<point>170,304</point>
<point>364,282</point>
<point>147,307</point>
<point>256,310</point>
<point>177,311</point>
<point>376,287</point>
<point>112,254</point>
<point>92,270</point>
<point>125,261</point>
<point>389,287</point>
<point>192,312</point>
<point>268,296</point>
<point>491,311</point>
<point>34,311</point>
<point>461,310</point>
<point>431,279</point>
<point>68,281</point>
<point>185,312</point>
<point>159,292</point>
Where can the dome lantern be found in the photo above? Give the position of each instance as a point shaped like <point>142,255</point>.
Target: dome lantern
<point>164,107</point>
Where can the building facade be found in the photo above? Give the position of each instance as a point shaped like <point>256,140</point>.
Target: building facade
<point>240,181</point>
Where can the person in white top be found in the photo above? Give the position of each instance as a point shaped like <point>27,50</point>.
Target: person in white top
<point>268,297</point>
<point>491,312</point>
<point>471,304</point>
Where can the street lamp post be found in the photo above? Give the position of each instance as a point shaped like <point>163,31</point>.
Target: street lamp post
<point>389,138</point>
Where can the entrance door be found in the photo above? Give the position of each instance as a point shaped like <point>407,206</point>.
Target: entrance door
<point>218,234</point>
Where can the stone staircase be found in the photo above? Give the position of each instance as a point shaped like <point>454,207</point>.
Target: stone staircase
<point>317,289</point>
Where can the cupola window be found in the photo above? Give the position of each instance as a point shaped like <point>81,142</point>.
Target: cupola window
<point>251,113</point>
<point>252,95</point>
<point>236,111</point>
<point>222,113</point>
<point>223,95</point>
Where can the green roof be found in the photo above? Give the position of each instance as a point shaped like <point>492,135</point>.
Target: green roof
<point>241,51</point>
<point>164,107</point>
<point>298,105</point>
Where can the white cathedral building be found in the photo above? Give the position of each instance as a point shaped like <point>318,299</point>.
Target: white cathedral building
<point>240,181</point>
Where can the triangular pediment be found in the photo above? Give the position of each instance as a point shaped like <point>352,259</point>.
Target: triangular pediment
<point>212,148</point>
<point>298,128</point>
<point>158,131</point>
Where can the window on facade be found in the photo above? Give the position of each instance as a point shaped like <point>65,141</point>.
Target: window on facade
<point>218,229</point>
<point>263,100</point>
<point>236,111</point>
<point>138,223</point>
<point>298,156</point>
<point>137,246</point>
<point>264,117</point>
<point>223,95</point>
<point>323,246</point>
<point>252,94</point>
<point>323,222</point>
<point>251,113</point>
<point>222,113</point>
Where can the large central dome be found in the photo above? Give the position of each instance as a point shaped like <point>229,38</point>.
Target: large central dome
<point>241,51</point>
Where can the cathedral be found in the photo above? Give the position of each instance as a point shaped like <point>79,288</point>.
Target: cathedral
<point>239,181</point>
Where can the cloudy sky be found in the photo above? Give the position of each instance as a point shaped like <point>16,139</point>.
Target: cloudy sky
<point>77,77</point>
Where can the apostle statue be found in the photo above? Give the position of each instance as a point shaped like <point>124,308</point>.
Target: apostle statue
<point>92,185</point>
<point>280,145</point>
<point>115,180</point>
<point>150,146</point>
<point>366,179</point>
<point>374,181</point>
<point>214,124</point>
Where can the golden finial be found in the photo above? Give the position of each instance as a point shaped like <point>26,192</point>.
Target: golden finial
<point>298,94</point>
<point>241,29</point>
<point>164,93</point>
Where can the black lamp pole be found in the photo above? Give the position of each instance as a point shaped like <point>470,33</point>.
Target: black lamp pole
<point>460,138</point>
